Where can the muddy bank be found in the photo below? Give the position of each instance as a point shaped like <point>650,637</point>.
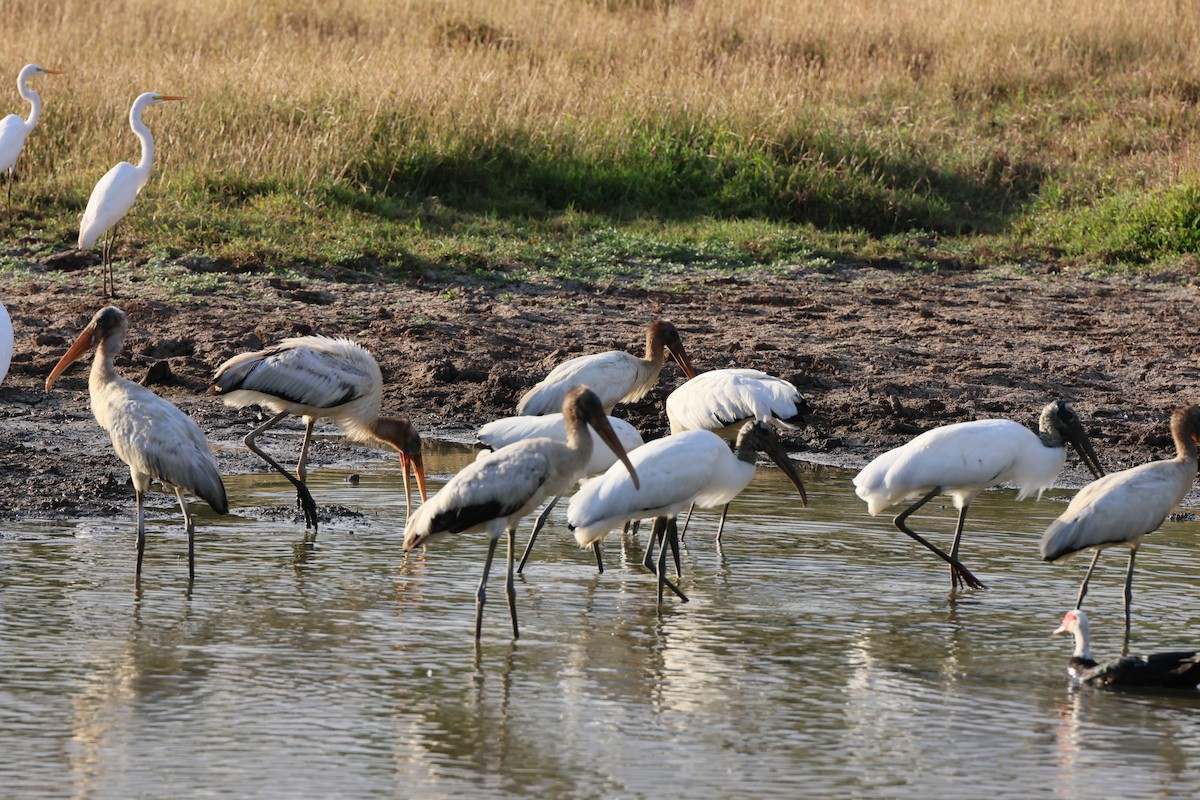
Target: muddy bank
<point>881,355</point>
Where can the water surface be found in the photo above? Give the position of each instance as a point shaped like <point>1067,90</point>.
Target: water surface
<point>822,654</point>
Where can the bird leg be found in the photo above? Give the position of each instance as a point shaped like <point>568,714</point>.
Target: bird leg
<point>666,524</point>
<point>955,579</point>
<point>687,521</point>
<point>1083,587</point>
<point>190,527</point>
<point>721,524</point>
<point>510,589</point>
<point>301,471</point>
<point>673,540</point>
<point>305,497</point>
<point>108,244</point>
<point>1129,588</point>
<point>537,527</point>
<point>141,529</point>
<point>599,556</point>
<point>963,572</point>
<point>656,535</point>
<point>481,592</point>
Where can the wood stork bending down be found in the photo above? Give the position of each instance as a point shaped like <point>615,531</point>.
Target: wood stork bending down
<point>677,470</point>
<point>492,494</point>
<point>13,129</point>
<point>316,377</point>
<point>503,432</point>
<point>157,440</point>
<point>963,459</point>
<point>1161,670</point>
<point>722,400</point>
<point>1121,508</point>
<point>615,376</point>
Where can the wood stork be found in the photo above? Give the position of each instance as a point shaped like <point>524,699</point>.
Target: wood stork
<point>316,377</point>
<point>114,194</point>
<point>615,376</point>
<point>6,342</point>
<point>675,471</point>
<point>1123,507</point>
<point>1180,670</point>
<point>157,440</point>
<point>492,494</point>
<point>503,432</point>
<point>965,458</point>
<point>722,400</point>
<point>13,129</point>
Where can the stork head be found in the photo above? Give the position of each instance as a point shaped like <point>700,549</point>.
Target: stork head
<point>109,324</point>
<point>664,335</point>
<point>583,403</point>
<point>399,433</point>
<point>758,436</point>
<point>1060,426</point>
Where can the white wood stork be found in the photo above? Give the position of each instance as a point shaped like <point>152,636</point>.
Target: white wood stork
<point>157,440</point>
<point>1121,508</point>
<point>615,376</point>
<point>114,194</point>
<point>492,494</point>
<point>1179,670</point>
<point>316,377</point>
<point>965,458</point>
<point>506,431</point>
<point>675,471</point>
<point>722,400</point>
<point>13,129</point>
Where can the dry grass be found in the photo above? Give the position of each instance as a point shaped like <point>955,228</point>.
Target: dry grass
<point>1094,93</point>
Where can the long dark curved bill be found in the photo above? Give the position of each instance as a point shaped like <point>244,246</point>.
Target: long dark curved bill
<point>780,457</point>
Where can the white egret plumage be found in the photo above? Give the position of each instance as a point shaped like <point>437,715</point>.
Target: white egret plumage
<point>492,494</point>
<point>316,377</point>
<point>153,437</point>
<point>115,193</point>
<point>1121,508</point>
<point>14,129</point>
<point>965,458</point>
<point>614,375</point>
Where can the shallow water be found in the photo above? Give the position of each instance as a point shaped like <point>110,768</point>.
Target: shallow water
<point>821,654</point>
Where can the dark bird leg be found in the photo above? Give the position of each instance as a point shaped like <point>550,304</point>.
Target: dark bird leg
<point>1083,587</point>
<point>687,521</point>
<point>537,527</point>
<point>304,496</point>
<point>141,530</point>
<point>1129,588</point>
<point>481,592</point>
<point>302,464</point>
<point>721,524</point>
<point>656,536</point>
<point>510,589</point>
<point>963,572</point>
<point>190,527</point>
<point>666,525</point>
<point>955,580</point>
<point>599,556</point>
<point>673,540</point>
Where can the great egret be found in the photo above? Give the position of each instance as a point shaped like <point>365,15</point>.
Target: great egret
<point>114,194</point>
<point>154,438</point>
<point>491,494</point>
<point>316,377</point>
<point>614,375</point>
<point>13,129</point>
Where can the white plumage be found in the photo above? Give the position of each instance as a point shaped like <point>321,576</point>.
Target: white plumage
<point>492,494</point>
<point>615,376</point>
<point>721,401</point>
<point>675,471</point>
<point>115,193</point>
<point>316,377</point>
<point>153,437</point>
<point>14,129</point>
<point>1122,508</point>
<point>963,459</point>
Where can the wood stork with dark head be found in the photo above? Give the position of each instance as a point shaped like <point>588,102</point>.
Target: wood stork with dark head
<point>615,376</point>
<point>316,377</point>
<point>1179,670</point>
<point>722,400</point>
<point>503,432</point>
<point>675,471</point>
<point>154,438</point>
<point>965,458</point>
<point>1121,508</point>
<point>492,494</point>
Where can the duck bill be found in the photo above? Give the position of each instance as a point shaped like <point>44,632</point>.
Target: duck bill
<point>680,358</point>
<point>413,464</point>
<point>604,429</point>
<point>1083,446</point>
<point>83,345</point>
<point>789,468</point>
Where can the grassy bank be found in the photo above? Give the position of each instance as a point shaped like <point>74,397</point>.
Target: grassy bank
<point>589,137</point>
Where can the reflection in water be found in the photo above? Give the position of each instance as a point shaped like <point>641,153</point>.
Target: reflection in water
<point>817,657</point>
